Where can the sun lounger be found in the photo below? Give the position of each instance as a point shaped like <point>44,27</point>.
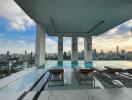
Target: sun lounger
<point>110,77</point>
<point>56,77</point>
<point>84,76</point>
<point>117,74</point>
<point>128,71</point>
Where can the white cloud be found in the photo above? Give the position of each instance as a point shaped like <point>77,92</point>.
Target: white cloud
<point>66,44</point>
<point>128,23</point>
<point>80,44</point>
<point>118,36</point>
<point>50,41</point>
<point>16,46</point>
<point>22,42</point>
<point>51,45</point>
<point>18,20</point>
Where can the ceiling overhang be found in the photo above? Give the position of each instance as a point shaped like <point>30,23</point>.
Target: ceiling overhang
<point>76,17</point>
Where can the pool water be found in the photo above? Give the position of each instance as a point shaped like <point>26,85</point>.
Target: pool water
<point>97,64</point>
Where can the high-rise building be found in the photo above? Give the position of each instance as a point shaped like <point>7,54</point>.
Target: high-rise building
<point>25,52</point>
<point>122,52</point>
<point>8,53</point>
<point>65,55</point>
<point>102,52</point>
<point>94,52</point>
<point>117,50</point>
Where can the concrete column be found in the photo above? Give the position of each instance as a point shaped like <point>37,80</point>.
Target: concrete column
<point>88,57</point>
<point>74,56</point>
<point>40,45</point>
<point>60,50</point>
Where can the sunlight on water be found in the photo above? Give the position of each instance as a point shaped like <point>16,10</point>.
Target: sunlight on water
<point>97,64</point>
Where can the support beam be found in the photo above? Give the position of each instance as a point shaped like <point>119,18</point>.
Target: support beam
<point>74,47</point>
<point>60,50</point>
<point>40,46</point>
<point>88,57</point>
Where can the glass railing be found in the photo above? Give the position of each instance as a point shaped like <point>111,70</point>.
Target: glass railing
<point>9,67</point>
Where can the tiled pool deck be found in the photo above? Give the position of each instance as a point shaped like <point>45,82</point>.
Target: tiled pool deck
<point>85,94</point>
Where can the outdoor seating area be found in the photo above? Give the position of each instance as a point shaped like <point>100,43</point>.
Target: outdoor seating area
<point>80,78</point>
<point>119,77</point>
<point>113,77</point>
<point>85,76</point>
<point>56,77</point>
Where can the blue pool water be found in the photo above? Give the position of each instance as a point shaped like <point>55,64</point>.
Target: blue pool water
<point>97,64</point>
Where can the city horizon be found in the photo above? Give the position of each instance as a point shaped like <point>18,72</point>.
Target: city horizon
<point>28,52</point>
<point>18,33</point>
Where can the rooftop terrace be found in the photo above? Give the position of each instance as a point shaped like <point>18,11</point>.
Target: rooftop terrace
<point>29,86</point>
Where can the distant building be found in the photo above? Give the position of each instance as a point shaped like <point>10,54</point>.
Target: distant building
<point>94,52</point>
<point>122,52</point>
<point>81,55</point>
<point>8,53</point>
<point>102,52</point>
<point>65,55</point>
<point>25,52</point>
<point>117,50</point>
<point>129,55</point>
<point>69,55</point>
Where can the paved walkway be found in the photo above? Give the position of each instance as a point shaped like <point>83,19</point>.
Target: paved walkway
<point>89,94</point>
<point>86,94</point>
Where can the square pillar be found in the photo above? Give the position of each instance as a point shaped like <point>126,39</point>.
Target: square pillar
<point>60,50</point>
<point>40,46</point>
<point>74,56</point>
<point>88,57</point>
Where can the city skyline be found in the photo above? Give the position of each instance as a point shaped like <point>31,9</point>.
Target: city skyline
<point>97,55</point>
<point>18,32</point>
<point>117,50</point>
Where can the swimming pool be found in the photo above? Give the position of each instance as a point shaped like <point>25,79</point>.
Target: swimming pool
<point>25,82</point>
<point>99,64</point>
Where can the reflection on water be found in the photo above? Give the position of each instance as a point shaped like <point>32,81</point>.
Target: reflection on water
<point>88,64</point>
<point>60,64</point>
<point>74,64</point>
<point>99,64</point>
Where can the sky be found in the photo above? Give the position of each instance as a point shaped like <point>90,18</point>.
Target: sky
<point>18,32</point>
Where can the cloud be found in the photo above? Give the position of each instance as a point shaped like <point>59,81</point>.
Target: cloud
<point>22,42</point>
<point>50,41</point>
<point>16,46</point>
<point>2,35</point>
<point>17,19</point>
<point>13,43</point>
<point>118,36</point>
<point>66,44</point>
<point>80,44</point>
<point>51,45</point>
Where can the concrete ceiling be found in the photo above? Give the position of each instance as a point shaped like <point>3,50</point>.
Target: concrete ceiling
<point>78,17</point>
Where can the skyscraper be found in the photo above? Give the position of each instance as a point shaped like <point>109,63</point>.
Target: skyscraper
<point>117,50</point>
